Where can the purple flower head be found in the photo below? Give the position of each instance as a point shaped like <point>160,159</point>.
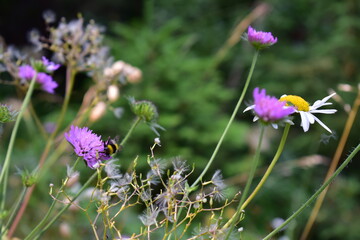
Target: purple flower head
<point>47,83</point>
<point>26,72</point>
<point>50,66</point>
<point>268,108</point>
<point>260,40</point>
<point>87,145</point>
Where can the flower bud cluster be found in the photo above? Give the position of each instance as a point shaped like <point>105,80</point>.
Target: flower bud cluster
<point>122,70</point>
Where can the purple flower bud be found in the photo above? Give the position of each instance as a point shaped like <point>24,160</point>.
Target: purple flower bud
<point>260,40</point>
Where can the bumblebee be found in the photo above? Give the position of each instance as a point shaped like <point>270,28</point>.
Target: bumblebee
<point>111,146</point>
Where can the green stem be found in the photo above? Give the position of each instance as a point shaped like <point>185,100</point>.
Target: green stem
<point>41,223</point>
<point>255,162</point>
<point>230,121</point>
<point>15,207</point>
<point>137,121</point>
<point>70,77</point>
<point>270,168</point>
<point>236,109</point>
<point>5,167</point>
<point>316,194</point>
<point>253,167</point>
<point>68,205</point>
<point>242,206</point>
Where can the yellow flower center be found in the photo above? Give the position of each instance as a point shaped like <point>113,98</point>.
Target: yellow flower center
<point>296,101</point>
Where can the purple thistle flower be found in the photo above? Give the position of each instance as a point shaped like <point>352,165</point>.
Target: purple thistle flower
<point>87,145</point>
<point>47,82</point>
<point>269,109</point>
<point>50,66</point>
<point>26,72</point>
<point>260,40</point>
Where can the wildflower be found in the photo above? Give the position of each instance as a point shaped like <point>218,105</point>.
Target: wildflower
<point>260,40</point>
<point>49,66</point>
<point>269,109</point>
<point>306,111</point>
<point>47,83</point>
<point>26,72</point>
<point>87,145</point>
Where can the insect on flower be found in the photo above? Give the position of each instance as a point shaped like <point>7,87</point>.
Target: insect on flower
<point>111,146</point>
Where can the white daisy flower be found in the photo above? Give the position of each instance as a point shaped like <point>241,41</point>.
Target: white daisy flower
<point>307,112</point>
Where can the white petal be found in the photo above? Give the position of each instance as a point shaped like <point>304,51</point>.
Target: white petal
<point>255,118</point>
<point>304,121</point>
<point>324,111</point>
<point>310,117</point>
<point>322,124</point>
<point>249,108</point>
<point>274,125</point>
<point>322,102</point>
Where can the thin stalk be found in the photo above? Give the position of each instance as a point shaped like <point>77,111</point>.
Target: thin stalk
<point>316,194</point>
<point>236,109</point>
<point>70,77</point>
<point>253,167</point>
<point>255,163</point>
<point>37,121</point>
<point>15,207</point>
<point>137,121</point>
<point>339,150</point>
<point>270,168</point>
<point>42,222</point>
<point>68,205</point>
<point>230,120</point>
<point>16,127</point>
<point>6,165</point>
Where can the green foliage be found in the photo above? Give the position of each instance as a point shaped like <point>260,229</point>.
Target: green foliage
<point>185,88</point>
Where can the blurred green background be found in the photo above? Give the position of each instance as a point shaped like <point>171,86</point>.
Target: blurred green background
<point>175,44</point>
